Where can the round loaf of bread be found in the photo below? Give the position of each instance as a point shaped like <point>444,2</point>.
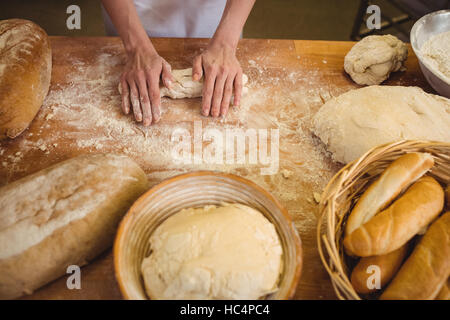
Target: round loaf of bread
<point>25,72</point>
<point>63,215</point>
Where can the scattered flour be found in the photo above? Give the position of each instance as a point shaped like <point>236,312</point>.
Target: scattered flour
<point>82,114</point>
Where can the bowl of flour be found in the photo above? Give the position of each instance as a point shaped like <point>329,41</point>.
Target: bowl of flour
<point>430,40</point>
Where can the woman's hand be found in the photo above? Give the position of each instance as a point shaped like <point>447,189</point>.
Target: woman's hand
<point>218,63</point>
<point>222,75</point>
<point>140,84</point>
<point>144,68</point>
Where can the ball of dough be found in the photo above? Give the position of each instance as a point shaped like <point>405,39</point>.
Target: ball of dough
<point>226,252</point>
<point>372,59</point>
<point>361,119</point>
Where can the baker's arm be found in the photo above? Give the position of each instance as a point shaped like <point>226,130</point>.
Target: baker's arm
<point>144,66</point>
<point>218,63</point>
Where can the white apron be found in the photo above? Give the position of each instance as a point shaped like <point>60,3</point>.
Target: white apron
<point>176,18</point>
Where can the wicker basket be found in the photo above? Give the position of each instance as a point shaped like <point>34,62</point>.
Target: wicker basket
<point>346,187</point>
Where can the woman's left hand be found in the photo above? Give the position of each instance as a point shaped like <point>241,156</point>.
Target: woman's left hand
<point>222,75</point>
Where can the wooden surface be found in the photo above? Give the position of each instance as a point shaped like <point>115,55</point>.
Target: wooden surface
<point>288,82</point>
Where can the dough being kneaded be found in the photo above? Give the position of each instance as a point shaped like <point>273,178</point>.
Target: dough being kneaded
<point>361,119</point>
<point>185,87</point>
<point>226,252</point>
<point>372,59</point>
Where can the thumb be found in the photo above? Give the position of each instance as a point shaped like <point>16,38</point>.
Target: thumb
<point>197,70</point>
<point>167,76</point>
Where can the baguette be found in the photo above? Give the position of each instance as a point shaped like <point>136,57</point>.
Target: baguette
<point>388,264</point>
<point>399,175</point>
<point>447,195</point>
<point>426,271</point>
<point>401,221</point>
<point>444,294</point>
<point>25,72</point>
<point>63,215</point>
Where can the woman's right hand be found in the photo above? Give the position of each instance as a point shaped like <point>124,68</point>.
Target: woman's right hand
<point>140,84</point>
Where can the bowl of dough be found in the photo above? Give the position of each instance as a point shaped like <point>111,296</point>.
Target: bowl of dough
<point>207,235</point>
<point>430,40</point>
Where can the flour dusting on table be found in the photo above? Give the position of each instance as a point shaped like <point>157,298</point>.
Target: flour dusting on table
<point>83,113</point>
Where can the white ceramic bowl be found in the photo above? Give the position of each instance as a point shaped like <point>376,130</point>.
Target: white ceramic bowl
<point>193,190</point>
<point>424,28</point>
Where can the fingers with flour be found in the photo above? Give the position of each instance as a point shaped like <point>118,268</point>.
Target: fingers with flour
<point>134,99</point>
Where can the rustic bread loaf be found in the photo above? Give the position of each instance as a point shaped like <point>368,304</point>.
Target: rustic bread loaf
<point>63,215</point>
<point>25,72</point>
<point>426,271</point>
<point>393,227</point>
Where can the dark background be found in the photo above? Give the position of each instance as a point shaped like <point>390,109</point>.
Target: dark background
<point>284,19</point>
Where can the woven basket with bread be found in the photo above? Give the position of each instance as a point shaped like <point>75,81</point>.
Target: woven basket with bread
<point>384,223</point>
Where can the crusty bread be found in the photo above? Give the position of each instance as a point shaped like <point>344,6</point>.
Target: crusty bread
<point>25,72</point>
<point>399,175</point>
<point>447,195</point>
<point>444,294</point>
<point>393,227</point>
<point>389,264</point>
<point>426,271</point>
<point>63,215</point>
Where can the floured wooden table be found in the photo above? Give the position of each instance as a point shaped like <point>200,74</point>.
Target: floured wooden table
<point>288,82</point>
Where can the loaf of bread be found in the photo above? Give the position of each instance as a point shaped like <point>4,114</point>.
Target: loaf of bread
<point>63,215</point>
<point>25,72</point>
<point>388,265</point>
<point>396,225</point>
<point>447,195</point>
<point>444,294</point>
<point>427,269</point>
<point>399,175</point>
